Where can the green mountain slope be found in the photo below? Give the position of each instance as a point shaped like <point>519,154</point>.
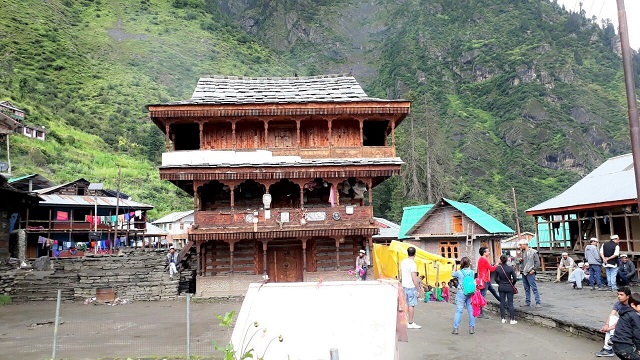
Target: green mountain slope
<point>86,69</point>
<point>506,93</point>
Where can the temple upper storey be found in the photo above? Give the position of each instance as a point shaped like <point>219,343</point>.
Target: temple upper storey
<point>306,117</point>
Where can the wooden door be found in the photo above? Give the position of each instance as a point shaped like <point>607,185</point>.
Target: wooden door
<point>285,263</point>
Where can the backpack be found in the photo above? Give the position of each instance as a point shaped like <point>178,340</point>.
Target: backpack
<point>468,283</point>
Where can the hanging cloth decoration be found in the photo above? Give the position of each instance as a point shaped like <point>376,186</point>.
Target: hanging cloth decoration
<point>62,216</point>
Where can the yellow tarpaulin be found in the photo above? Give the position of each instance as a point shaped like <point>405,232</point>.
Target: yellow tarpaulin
<point>387,258</point>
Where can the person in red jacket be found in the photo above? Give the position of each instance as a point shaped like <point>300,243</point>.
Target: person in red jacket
<point>484,276</point>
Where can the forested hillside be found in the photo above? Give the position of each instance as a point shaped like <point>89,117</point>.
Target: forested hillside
<point>506,93</point>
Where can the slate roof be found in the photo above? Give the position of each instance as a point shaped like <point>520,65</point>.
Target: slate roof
<point>275,90</point>
<point>413,216</point>
<point>174,216</point>
<point>614,180</point>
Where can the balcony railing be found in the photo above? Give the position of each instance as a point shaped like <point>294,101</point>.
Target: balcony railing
<point>284,218</point>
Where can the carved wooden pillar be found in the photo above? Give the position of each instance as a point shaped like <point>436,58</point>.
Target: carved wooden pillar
<point>233,135</point>
<point>361,121</point>
<point>302,196</point>
<point>370,183</point>
<point>595,218</point>
<point>266,132</point>
<point>330,138</point>
<point>167,138</point>
<point>338,253</point>
<point>298,133</point>
<point>393,135</point>
<point>197,198</point>
<point>304,257</point>
<point>231,248</point>
<point>200,128</point>
<point>199,256</point>
<point>264,256</point>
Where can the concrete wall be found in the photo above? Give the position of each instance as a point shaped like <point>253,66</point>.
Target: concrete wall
<point>135,275</point>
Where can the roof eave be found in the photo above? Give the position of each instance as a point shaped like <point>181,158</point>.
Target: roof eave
<point>575,208</point>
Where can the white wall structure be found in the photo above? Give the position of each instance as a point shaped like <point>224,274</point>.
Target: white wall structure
<point>356,318</point>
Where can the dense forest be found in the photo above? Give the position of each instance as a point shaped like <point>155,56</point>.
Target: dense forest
<point>507,94</point>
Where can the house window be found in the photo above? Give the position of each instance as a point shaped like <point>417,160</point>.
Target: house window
<point>81,190</point>
<point>181,226</point>
<point>449,249</point>
<point>457,224</point>
<point>170,227</point>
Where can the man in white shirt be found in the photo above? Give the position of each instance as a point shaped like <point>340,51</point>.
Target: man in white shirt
<point>411,284</point>
<point>565,266</point>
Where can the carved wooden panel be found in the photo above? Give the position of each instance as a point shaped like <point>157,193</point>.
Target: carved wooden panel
<point>244,258</point>
<point>250,135</point>
<point>314,133</point>
<point>345,133</point>
<point>217,136</point>
<point>217,258</point>
<point>282,135</point>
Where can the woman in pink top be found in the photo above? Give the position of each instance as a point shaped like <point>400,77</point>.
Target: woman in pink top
<point>484,273</point>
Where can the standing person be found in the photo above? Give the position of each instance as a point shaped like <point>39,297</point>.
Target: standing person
<point>411,284</point>
<point>530,262</point>
<point>362,265</point>
<point>484,274</point>
<point>593,258</point>
<point>463,300</point>
<point>172,261</point>
<point>609,252</point>
<point>565,266</point>
<point>506,279</point>
<point>627,333</point>
<point>626,272</point>
<point>610,322</point>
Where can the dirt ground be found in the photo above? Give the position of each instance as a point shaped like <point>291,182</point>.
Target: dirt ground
<point>158,330</point>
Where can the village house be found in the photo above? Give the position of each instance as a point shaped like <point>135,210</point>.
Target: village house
<point>176,225</point>
<point>21,127</point>
<point>66,222</point>
<point>13,202</point>
<point>453,230</point>
<point>601,204</point>
<point>281,172</point>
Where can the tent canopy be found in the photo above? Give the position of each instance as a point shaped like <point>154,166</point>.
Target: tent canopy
<point>387,260</point>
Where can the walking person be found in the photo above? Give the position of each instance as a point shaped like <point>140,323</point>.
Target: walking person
<point>530,263</point>
<point>411,285</point>
<point>627,333</point>
<point>593,258</point>
<point>362,265</point>
<point>463,300</point>
<point>609,252</point>
<point>484,277</point>
<point>506,278</point>
<point>610,322</point>
<point>172,262</point>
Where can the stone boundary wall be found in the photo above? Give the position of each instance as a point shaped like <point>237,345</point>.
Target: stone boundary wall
<point>135,275</point>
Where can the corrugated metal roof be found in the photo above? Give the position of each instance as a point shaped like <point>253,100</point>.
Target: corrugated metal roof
<point>174,216</point>
<point>388,229</point>
<point>78,200</point>
<point>266,90</point>
<point>154,230</point>
<point>486,221</point>
<point>410,216</point>
<point>614,180</point>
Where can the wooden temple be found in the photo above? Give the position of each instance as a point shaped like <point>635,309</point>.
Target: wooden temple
<point>280,170</point>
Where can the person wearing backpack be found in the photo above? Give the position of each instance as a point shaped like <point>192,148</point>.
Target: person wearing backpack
<point>466,288</point>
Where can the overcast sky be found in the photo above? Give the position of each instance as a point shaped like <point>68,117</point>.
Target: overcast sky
<point>604,9</point>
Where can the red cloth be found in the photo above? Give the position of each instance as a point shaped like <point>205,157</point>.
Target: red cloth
<point>62,215</point>
<point>477,303</point>
<point>484,269</point>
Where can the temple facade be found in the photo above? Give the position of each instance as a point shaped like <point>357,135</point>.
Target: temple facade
<point>281,171</point>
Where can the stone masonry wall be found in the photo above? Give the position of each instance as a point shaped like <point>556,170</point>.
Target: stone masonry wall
<point>136,275</point>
